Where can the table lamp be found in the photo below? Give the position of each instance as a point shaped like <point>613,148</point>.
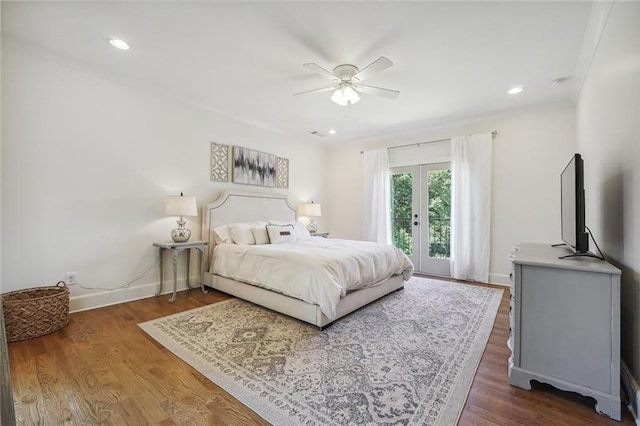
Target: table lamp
<point>310,210</point>
<point>181,206</point>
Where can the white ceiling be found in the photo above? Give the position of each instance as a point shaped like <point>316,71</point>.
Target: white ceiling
<point>452,60</point>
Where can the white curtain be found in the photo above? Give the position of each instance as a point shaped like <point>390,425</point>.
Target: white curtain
<point>471,207</point>
<point>377,196</point>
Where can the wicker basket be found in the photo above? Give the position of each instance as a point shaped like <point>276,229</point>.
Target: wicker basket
<point>36,311</point>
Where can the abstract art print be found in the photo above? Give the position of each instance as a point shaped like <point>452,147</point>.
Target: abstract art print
<point>254,167</point>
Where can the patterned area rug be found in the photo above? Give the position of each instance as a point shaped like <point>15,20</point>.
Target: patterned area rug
<point>408,358</point>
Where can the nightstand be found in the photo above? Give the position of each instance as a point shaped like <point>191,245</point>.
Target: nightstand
<point>176,249</point>
<point>320,234</point>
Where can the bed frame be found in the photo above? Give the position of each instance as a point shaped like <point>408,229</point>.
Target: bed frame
<point>235,206</point>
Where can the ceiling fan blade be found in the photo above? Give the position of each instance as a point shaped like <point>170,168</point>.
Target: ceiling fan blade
<point>309,92</point>
<point>319,70</point>
<point>377,91</point>
<point>380,64</point>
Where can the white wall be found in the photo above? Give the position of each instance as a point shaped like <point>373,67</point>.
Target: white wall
<point>531,149</point>
<point>608,134</point>
<point>86,166</point>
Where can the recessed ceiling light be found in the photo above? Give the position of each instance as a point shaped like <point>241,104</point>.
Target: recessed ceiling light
<point>332,131</point>
<point>118,43</point>
<point>515,90</point>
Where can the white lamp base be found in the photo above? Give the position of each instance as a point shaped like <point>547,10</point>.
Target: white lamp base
<point>312,227</point>
<point>181,234</point>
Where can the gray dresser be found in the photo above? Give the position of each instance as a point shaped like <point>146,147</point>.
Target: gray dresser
<point>565,324</point>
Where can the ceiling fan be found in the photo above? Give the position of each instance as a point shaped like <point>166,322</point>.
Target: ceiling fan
<point>347,81</point>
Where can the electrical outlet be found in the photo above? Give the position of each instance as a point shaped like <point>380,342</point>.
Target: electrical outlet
<point>70,278</point>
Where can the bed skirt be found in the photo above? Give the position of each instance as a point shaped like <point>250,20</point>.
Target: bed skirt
<point>297,308</point>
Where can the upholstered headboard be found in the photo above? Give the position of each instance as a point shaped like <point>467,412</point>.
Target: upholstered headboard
<point>238,206</point>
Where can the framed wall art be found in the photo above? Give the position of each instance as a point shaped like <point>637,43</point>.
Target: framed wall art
<point>282,173</point>
<point>254,167</point>
<point>219,162</point>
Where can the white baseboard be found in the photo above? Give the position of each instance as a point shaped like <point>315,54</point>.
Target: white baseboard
<point>122,295</point>
<point>86,302</point>
<point>499,279</point>
<point>633,390</point>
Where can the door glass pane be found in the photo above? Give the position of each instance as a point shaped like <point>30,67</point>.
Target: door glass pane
<point>439,191</point>
<point>401,207</point>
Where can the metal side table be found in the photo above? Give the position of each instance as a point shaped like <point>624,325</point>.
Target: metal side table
<point>176,249</point>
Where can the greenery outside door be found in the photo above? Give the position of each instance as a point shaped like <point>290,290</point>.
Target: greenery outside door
<point>421,215</point>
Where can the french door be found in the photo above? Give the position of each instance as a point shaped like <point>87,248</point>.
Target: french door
<point>421,215</point>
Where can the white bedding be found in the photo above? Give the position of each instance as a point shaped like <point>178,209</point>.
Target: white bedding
<point>317,270</point>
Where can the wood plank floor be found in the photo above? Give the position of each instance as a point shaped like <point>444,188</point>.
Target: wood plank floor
<point>103,369</point>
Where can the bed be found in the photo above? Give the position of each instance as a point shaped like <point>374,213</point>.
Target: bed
<point>243,207</point>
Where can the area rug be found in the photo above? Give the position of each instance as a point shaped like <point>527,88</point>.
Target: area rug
<point>408,358</point>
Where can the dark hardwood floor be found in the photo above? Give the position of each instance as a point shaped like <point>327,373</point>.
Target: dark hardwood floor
<point>103,369</point>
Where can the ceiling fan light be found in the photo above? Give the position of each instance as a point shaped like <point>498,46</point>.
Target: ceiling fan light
<point>345,95</point>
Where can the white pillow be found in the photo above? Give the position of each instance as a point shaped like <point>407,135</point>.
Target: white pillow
<point>259,229</point>
<point>221,235</point>
<point>302,233</point>
<point>241,234</point>
<point>281,234</point>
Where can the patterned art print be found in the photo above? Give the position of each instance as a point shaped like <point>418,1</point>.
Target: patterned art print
<point>283,172</point>
<point>254,167</point>
<point>219,162</point>
<point>408,358</point>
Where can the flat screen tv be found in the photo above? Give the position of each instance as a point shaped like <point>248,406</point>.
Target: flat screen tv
<point>574,232</point>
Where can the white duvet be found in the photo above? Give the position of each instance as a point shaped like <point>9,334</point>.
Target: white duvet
<point>317,270</point>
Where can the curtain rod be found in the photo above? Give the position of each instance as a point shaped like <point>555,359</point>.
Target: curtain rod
<point>493,134</point>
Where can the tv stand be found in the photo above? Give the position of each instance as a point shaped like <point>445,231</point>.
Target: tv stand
<point>576,254</point>
<point>588,254</point>
<point>565,324</point>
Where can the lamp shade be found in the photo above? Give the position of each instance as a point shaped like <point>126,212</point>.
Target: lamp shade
<point>179,205</point>
<point>310,210</point>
